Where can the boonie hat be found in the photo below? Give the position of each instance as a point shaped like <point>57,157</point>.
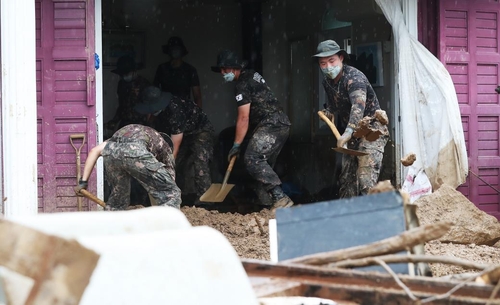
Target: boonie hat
<point>124,65</point>
<point>153,100</point>
<point>174,41</point>
<point>328,48</point>
<point>228,59</point>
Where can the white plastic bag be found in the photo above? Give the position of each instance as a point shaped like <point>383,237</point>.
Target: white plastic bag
<point>416,183</point>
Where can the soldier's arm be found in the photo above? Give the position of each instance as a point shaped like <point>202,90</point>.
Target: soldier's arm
<point>177,140</point>
<point>94,154</point>
<point>197,95</point>
<point>357,96</point>
<point>242,123</point>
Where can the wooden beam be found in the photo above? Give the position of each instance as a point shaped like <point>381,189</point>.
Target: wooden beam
<point>390,245</point>
<point>322,276</point>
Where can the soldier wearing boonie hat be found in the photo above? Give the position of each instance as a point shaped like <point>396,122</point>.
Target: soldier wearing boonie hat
<point>129,89</point>
<point>351,96</point>
<point>192,136</point>
<point>258,110</point>
<point>177,76</point>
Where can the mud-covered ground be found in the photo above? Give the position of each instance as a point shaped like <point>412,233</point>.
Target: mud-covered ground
<point>249,235</point>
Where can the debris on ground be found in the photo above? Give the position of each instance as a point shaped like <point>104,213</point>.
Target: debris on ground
<point>409,159</point>
<point>472,238</point>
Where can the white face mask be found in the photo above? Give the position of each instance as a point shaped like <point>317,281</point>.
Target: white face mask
<point>331,72</point>
<point>229,77</point>
<point>128,78</point>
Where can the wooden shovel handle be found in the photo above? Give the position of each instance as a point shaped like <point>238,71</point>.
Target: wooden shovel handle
<point>92,197</point>
<point>330,124</point>
<point>229,169</point>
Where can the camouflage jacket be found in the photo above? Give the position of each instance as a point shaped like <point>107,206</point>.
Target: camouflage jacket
<point>251,88</point>
<point>128,97</point>
<point>145,137</point>
<point>183,116</point>
<point>352,98</point>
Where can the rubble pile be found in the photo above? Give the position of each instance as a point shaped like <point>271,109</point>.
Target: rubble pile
<point>473,237</point>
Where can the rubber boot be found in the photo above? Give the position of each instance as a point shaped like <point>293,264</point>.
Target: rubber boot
<point>279,198</point>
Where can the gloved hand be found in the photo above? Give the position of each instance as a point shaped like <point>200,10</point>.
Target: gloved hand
<point>346,136</point>
<point>82,184</point>
<point>235,151</point>
<point>328,114</point>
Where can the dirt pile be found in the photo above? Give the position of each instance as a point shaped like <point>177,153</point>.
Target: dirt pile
<point>249,238</point>
<point>471,238</point>
<point>471,225</point>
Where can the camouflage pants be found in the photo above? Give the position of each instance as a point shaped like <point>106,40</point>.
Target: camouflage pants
<point>262,151</point>
<point>360,173</point>
<point>195,154</point>
<point>123,161</point>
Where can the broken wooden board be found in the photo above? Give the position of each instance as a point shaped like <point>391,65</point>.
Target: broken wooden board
<point>362,287</point>
<point>60,268</point>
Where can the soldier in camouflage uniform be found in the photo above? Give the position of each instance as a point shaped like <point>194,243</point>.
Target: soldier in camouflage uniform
<point>142,153</point>
<point>351,96</point>
<point>191,131</point>
<point>258,110</point>
<point>129,89</point>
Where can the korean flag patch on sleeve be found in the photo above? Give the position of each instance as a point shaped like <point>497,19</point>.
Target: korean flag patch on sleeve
<point>239,97</point>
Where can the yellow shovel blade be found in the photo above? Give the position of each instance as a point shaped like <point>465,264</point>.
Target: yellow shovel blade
<point>216,193</point>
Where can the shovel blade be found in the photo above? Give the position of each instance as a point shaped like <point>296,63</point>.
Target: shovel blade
<point>350,151</point>
<point>216,193</point>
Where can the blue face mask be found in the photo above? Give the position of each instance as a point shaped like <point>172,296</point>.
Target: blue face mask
<point>229,77</point>
<point>331,72</point>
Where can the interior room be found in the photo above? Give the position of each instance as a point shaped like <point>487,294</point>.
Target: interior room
<point>277,38</point>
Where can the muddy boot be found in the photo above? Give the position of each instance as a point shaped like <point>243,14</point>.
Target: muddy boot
<point>280,199</point>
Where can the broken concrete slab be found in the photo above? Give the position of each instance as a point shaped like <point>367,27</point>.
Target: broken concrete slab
<point>60,268</point>
<point>471,225</point>
<point>153,256</point>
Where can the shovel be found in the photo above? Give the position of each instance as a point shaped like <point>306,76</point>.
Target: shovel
<point>92,197</point>
<point>78,163</point>
<point>218,192</point>
<point>337,135</point>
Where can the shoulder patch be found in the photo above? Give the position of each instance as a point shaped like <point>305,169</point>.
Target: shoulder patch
<point>258,78</point>
<point>239,97</point>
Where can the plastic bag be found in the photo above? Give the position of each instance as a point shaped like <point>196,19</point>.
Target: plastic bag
<point>416,183</point>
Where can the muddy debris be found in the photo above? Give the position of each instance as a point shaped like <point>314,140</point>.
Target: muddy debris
<point>251,240</point>
<point>409,159</point>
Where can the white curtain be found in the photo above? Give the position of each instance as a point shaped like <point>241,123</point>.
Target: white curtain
<point>430,118</point>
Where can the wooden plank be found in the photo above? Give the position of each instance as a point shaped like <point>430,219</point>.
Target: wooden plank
<point>352,279</point>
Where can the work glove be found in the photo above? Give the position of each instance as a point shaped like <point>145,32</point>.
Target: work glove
<point>328,114</point>
<point>82,184</point>
<point>235,151</point>
<point>346,136</point>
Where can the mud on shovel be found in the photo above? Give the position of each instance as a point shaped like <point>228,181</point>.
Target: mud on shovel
<point>78,161</point>
<point>218,192</point>
<point>337,135</point>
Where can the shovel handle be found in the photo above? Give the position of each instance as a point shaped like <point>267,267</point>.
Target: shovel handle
<point>92,197</point>
<point>330,124</point>
<point>229,169</point>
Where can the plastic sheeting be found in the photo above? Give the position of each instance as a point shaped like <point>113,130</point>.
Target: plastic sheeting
<point>430,117</point>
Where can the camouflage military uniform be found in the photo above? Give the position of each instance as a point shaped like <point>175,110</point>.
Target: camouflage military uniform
<point>184,116</point>
<point>140,152</point>
<point>353,98</point>
<point>128,97</point>
<point>270,124</point>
